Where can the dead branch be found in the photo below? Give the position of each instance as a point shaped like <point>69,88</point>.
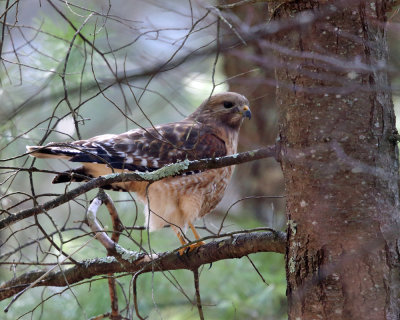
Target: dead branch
<point>106,241</point>
<point>100,234</point>
<point>236,246</point>
<point>198,297</point>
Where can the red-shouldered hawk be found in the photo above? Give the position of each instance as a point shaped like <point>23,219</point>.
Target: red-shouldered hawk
<point>211,131</point>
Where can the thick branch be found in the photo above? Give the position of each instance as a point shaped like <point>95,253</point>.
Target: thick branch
<point>234,247</point>
<point>167,171</point>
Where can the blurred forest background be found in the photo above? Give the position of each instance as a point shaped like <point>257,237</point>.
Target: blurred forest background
<point>139,63</point>
<point>152,62</point>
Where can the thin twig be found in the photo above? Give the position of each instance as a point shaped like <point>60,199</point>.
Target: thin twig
<point>100,235</point>
<point>198,298</point>
<point>38,280</point>
<point>117,227</point>
<point>134,280</point>
<point>258,271</point>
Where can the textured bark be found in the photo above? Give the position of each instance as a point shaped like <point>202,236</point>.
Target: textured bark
<point>339,162</point>
<point>236,246</point>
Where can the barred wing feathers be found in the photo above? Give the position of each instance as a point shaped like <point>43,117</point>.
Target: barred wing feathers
<point>139,150</point>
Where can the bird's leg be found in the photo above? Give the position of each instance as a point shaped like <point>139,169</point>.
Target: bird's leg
<point>183,241</point>
<point>196,235</point>
<point>181,238</point>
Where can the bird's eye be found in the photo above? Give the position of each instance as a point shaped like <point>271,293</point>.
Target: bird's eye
<point>228,104</point>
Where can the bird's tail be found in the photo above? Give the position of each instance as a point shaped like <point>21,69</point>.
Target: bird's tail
<point>74,175</point>
<point>52,152</point>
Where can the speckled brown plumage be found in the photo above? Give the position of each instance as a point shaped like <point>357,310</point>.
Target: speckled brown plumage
<point>211,131</point>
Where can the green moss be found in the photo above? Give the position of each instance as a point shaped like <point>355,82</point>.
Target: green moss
<point>127,255</point>
<point>292,265</point>
<point>107,259</point>
<point>166,171</point>
<point>292,225</point>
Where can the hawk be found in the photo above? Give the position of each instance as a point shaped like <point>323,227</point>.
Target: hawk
<point>210,131</point>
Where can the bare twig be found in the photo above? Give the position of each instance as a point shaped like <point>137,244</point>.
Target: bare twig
<point>117,228</point>
<point>36,281</point>
<point>258,271</point>
<point>235,4</point>
<point>197,288</point>
<point>100,235</point>
<point>134,280</point>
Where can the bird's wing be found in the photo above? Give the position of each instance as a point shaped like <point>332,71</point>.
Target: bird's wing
<point>146,150</point>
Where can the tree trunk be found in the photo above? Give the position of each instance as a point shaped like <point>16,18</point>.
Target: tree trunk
<point>339,159</point>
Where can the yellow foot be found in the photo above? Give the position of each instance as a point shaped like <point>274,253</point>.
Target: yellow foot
<point>190,247</point>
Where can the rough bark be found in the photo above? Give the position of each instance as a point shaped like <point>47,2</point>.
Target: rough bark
<point>236,246</point>
<point>339,162</point>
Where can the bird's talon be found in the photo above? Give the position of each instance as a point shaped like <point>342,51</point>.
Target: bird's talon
<point>190,248</point>
<point>183,251</point>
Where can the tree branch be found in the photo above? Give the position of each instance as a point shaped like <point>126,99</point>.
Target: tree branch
<point>236,246</point>
<point>166,171</point>
<point>198,297</point>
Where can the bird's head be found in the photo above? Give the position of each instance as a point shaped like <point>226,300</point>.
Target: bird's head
<point>227,108</point>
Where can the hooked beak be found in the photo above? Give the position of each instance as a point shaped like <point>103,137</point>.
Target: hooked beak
<point>246,113</point>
